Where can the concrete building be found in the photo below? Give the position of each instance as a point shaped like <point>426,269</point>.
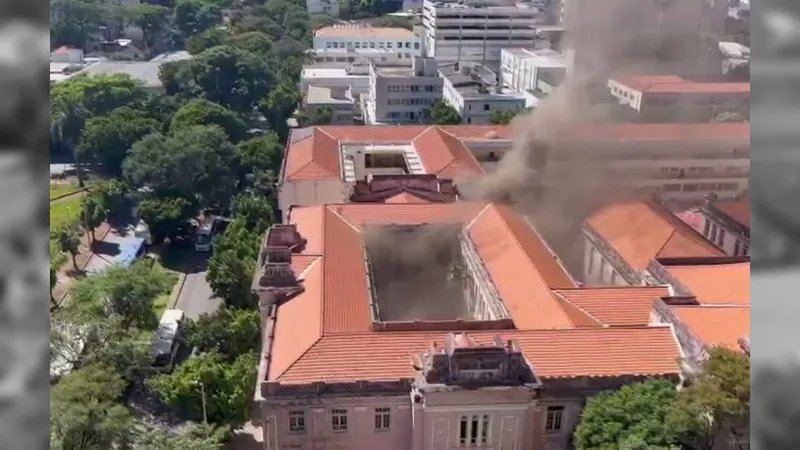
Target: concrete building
<point>354,77</point>
<point>320,166</point>
<point>326,7</point>
<point>727,224</point>
<point>346,44</point>
<point>339,100</point>
<point>661,99</point>
<point>477,30</point>
<point>476,93</point>
<point>622,239</point>
<point>504,357</point>
<point>534,73</point>
<point>401,94</point>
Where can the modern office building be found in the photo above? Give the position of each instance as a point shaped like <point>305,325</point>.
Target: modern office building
<point>477,30</point>
<point>348,44</point>
<point>354,77</point>
<point>476,93</point>
<point>402,94</point>
<point>535,73</point>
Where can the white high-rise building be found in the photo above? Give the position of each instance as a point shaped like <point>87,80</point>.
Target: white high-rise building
<point>477,30</point>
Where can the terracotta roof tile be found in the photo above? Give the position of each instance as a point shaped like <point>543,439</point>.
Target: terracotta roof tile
<point>315,157</point>
<point>383,134</point>
<point>738,210</point>
<point>716,284</point>
<point>553,353</point>
<point>298,324</point>
<point>677,85</point>
<point>406,197</point>
<point>716,325</point>
<point>309,224</point>
<point>523,279</point>
<point>643,231</point>
<point>346,295</point>
<point>445,155</point>
<point>616,306</point>
<point>478,132</point>
<point>301,262</point>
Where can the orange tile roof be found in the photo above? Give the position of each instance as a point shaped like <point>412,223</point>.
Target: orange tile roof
<point>345,32</point>
<point>671,84</point>
<point>738,210</point>
<point>593,352</point>
<point>321,334</point>
<point>616,306</point>
<point>406,197</point>
<point>716,284</point>
<point>716,325</point>
<point>445,155</point>
<point>643,231</point>
<point>442,149</point>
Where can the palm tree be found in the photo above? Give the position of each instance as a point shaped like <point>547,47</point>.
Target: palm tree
<point>67,118</point>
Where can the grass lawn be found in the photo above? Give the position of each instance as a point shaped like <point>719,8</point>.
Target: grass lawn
<point>63,212</point>
<point>59,189</point>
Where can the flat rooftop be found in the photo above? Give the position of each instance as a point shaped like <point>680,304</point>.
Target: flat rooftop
<point>146,71</point>
<point>330,72</point>
<point>354,32</point>
<point>563,330</point>
<point>394,71</point>
<point>470,88</point>
<point>327,96</point>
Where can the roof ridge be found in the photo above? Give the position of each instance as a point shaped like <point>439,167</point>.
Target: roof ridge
<point>586,313</point>
<point>324,263</point>
<point>528,257</point>
<point>310,347</point>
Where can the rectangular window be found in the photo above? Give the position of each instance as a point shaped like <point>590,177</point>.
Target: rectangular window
<point>737,247</point>
<point>555,419</point>
<point>745,250</point>
<point>416,45</point>
<point>388,45</point>
<point>339,420</point>
<point>382,418</point>
<point>486,107</point>
<point>721,237</point>
<point>372,44</point>
<point>713,235</point>
<point>297,422</point>
<point>474,430</point>
<point>358,44</point>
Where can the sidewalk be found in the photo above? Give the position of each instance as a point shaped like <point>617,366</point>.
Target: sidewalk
<point>67,274</point>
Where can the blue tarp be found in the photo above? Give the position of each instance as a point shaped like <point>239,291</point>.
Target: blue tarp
<point>127,255</point>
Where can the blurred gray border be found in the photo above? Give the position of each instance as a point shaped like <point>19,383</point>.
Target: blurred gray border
<point>775,278</point>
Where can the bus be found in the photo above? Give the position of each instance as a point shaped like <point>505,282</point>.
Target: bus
<point>167,340</point>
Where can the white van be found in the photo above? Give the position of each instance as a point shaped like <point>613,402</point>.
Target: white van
<point>202,239</point>
<point>167,339</point>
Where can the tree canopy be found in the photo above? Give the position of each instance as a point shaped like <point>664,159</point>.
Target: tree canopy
<point>505,116</point>
<point>444,114</point>
<point>635,412</point>
<point>193,17</point>
<point>232,265</point>
<point>228,388</point>
<point>204,112</point>
<point>230,332</point>
<point>107,139</point>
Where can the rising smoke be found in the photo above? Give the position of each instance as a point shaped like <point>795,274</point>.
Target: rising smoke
<point>546,174</point>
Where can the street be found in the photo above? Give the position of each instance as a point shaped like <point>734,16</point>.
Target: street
<point>196,297</point>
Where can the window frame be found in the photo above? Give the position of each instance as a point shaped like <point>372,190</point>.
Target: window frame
<point>339,420</point>
<point>557,418</point>
<point>383,418</point>
<point>297,422</point>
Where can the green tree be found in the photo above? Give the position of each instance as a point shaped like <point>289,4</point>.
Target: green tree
<point>197,436</point>
<point>195,163</point>
<point>173,76</point>
<point>72,22</point>
<point>111,195</point>
<point>717,403</point>
<point>107,139</point>
<point>505,116</point>
<point>232,264</point>
<point>444,114</point>
<point>204,112</point>
<point>255,211</point>
<point>393,22</point>
<point>231,332</point>
<point>228,388</point>
<point>634,413</point>
<point>98,94</point>
<point>68,117</point>
<point>263,152</point>
<point>309,117</point>
<point>152,19</point>
<point>279,106</point>
<point>254,42</point>
<point>93,214</point>
<point>227,75</point>
<point>84,413</point>
<point>207,39</point>
<point>128,293</point>
<point>165,217</point>
<point>193,17</point>
<point>69,241</point>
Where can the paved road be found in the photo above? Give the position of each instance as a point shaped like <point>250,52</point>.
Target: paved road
<point>196,297</point>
